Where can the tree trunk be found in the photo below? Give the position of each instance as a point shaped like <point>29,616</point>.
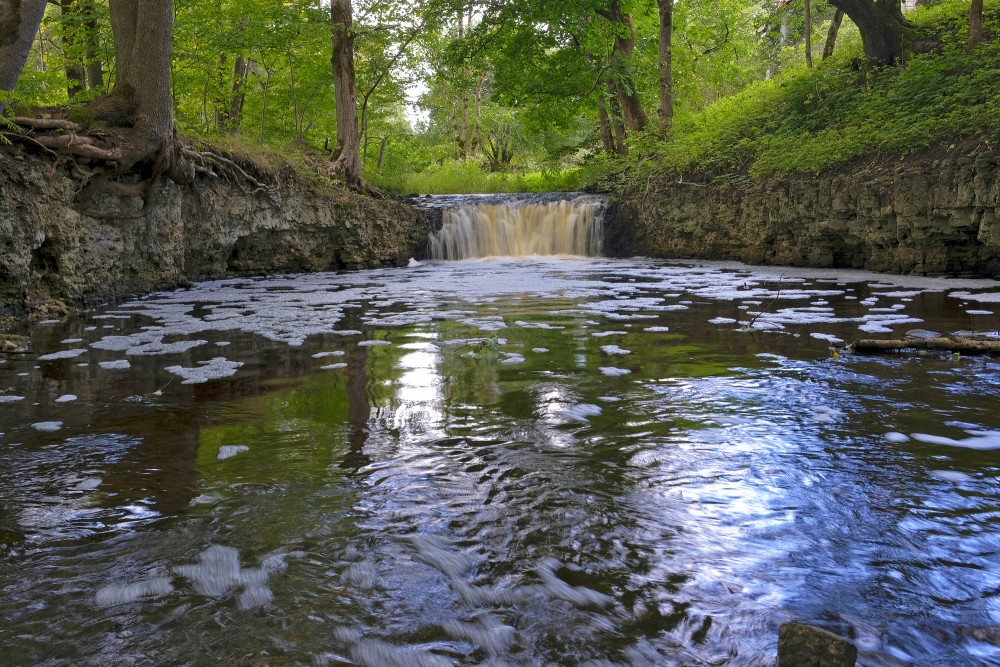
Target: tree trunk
<point>617,126</point>
<point>71,30</point>
<point>882,28</point>
<point>480,82</point>
<point>381,151</point>
<point>631,106</point>
<point>975,24</point>
<point>831,34</point>
<point>19,21</point>
<point>95,66</point>
<point>348,162</point>
<point>808,31</point>
<point>666,8</point>
<point>142,31</point>
<point>604,125</point>
<point>234,115</point>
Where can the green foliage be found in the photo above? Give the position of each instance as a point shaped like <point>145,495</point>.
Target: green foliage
<point>812,120</point>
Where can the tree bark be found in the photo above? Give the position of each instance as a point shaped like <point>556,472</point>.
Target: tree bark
<point>666,8</point>
<point>142,31</point>
<point>234,115</point>
<point>831,34</point>
<point>19,21</point>
<point>624,46</point>
<point>95,66</point>
<point>882,28</point>
<point>617,126</point>
<point>808,31</point>
<point>348,162</point>
<point>975,24</point>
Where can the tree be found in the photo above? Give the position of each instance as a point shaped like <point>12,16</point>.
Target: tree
<point>975,24</point>
<point>882,28</point>
<point>666,8</point>
<point>347,164</point>
<point>19,21</point>
<point>831,34</point>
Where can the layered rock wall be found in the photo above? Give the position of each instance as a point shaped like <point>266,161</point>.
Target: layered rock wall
<point>49,253</point>
<point>925,217</point>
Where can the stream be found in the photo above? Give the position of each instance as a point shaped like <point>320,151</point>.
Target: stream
<point>506,461</point>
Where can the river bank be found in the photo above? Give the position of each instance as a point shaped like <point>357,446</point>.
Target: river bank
<point>928,215</point>
<point>52,258</point>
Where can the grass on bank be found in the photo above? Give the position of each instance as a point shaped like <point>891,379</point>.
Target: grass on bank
<point>840,111</point>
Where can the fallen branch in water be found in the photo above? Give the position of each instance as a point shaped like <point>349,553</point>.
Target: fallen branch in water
<point>967,345</point>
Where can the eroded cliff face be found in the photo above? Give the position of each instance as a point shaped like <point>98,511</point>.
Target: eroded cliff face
<point>924,217</point>
<point>50,254</point>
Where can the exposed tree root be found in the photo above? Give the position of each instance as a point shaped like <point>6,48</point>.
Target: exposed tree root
<point>123,164</point>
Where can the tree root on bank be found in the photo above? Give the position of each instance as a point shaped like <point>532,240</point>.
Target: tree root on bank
<point>943,344</point>
<point>122,163</point>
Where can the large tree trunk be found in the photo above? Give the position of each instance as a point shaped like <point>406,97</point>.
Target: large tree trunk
<point>617,125</point>
<point>19,21</point>
<point>666,8</point>
<point>604,126</point>
<point>348,162</point>
<point>882,28</point>
<point>975,24</point>
<point>624,46</point>
<point>831,34</point>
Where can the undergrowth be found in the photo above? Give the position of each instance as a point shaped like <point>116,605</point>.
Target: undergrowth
<point>813,120</point>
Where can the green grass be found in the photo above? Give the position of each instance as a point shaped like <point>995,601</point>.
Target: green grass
<point>814,120</point>
<point>469,178</point>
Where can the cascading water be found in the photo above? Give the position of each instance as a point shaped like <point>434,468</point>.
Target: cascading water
<point>494,227</point>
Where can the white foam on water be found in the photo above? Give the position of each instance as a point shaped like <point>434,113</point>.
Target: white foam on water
<point>118,365</point>
<point>722,320</point>
<point>65,354</point>
<point>47,427</point>
<point>113,595</point>
<point>11,399</point>
<point>981,440</point>
<point>412,264</point>
<point>657,329</point>
<point>333,367</point>
<point>373,343</point>
<point>66,398</point>
<point>512,358</point>
<point>951,476</point>
<point>540,350</point>
<point>607,370</point>
<point>893,436</point>
<point>218,573</point>
<point>88,484</point>
<point>609,399</point>
<point>69,341</point>
<point>827,337</point>
<point>979,312</point>
<point>981,297</point>
<point>229,451</point>
<point>614,349</point>
<point>603,334</point>
<point>214,369</point>
<point>336,353</point>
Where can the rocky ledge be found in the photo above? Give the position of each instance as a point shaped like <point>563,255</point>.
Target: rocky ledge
<point>922,216</point>
<point>52,257</point>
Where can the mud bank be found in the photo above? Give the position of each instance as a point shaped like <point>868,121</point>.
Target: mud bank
<point>924,217</point>
<point>52,257</point>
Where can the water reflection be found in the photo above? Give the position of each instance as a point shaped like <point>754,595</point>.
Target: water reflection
<point>531,463</point>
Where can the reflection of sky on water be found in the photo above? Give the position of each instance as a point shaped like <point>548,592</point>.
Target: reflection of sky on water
<point>459,463</point>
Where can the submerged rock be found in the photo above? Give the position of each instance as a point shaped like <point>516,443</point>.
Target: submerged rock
<point>801,645</point>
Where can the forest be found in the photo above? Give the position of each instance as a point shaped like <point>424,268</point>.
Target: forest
<point>466,96</point>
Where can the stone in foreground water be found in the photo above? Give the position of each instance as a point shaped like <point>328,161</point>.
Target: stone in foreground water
<point>801,645</point>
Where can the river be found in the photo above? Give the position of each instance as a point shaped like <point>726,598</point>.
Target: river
<point>519,461</point>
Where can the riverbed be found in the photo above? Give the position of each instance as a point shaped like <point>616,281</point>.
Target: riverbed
<point>526,461</point>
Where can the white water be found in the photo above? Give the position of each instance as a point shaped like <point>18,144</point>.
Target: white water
<point>567,227</point>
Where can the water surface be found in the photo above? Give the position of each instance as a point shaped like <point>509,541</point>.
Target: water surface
<point>507,462</point>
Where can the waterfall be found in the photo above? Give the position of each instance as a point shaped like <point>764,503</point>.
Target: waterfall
<point>516,229</point>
